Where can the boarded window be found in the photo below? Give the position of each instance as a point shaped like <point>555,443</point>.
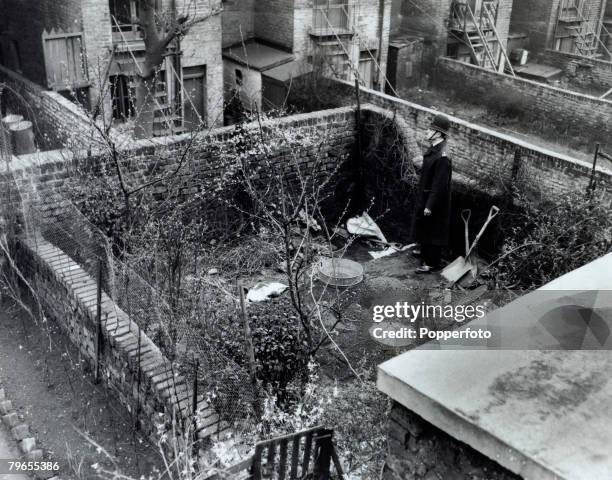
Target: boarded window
<point>64,60</point>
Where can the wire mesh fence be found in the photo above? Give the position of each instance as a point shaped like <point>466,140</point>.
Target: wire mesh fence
<point>220,379</point>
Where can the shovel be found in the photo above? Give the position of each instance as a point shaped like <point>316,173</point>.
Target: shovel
<point>465,215</point>
<point>460,266</point>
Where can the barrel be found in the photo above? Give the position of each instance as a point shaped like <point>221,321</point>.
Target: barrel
<point>11,119</point>
<point>22,138</point>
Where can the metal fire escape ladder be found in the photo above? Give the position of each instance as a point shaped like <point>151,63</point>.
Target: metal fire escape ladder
<point>335,43</point>
<point>483,40</point>
<point>585,40</point>
<point>487,8</point>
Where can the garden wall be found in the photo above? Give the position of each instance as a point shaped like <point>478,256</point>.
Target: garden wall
<point>420,451</point>
<point>583,69</point>
<point>576,110</point>
<point>45,175</point>
<point>482,154</point>
<point>57,121</point>
<point>146,384</point>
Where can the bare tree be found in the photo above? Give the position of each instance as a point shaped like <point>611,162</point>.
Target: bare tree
<point>160,30</point>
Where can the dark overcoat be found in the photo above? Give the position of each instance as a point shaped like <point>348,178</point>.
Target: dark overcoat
<point>434,193</point>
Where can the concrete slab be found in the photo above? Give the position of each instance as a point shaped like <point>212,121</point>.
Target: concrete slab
<point>539,72</point>
<point>258,55</point>
<point>541,414</point>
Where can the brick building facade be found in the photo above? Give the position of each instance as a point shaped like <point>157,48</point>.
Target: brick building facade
<point>571,26</point>
<point>341,37</point>
<point>80,44</point>
<point>461,29</point>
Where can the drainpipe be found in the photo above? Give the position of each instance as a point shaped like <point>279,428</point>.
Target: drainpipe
<point>381,22</point>
<point>178,91</point>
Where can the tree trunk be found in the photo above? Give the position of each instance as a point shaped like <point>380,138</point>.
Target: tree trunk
<point>145,106</point>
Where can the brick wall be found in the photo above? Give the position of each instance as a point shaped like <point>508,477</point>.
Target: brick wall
<point>48,173</point>
<point>140,377</point>
<point>57,121</point>
<point>426,19</point>
<point>420,451</point>
<point>274,21</point>
<point>238,21</point>
<point>538,19</point>
<point>479,152</point>
<point>98,41</point>
<point>542,100</point>
<point>579,68</point>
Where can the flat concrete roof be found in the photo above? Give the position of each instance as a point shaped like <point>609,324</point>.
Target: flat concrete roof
<point>542,414</point>
<point>287,71</point>
<point>257,55</point>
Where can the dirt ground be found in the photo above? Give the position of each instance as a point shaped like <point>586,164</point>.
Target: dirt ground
<point>50,388</point>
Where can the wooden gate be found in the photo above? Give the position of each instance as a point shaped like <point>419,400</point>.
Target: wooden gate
<point>65,62</point>
<point>309,454</point>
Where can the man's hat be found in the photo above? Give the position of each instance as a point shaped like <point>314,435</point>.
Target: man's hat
<point>440,124</point>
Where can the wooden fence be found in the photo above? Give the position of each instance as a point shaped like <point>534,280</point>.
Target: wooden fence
<point>309,454</point>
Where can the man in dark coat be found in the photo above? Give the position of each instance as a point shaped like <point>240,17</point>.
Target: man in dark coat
<point>432,217</point>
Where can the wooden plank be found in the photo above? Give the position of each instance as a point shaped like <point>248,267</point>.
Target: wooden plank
<point>307,449</point>
<point>295,454</point>
<point>282,463</point>
<point>256,466</point>
<point>270,460</point>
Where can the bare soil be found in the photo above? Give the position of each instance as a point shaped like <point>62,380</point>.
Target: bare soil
<point>54,393</point>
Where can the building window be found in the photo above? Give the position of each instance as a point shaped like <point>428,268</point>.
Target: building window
<point>239,79</point>
<point>122,12</point>
<point>122,94</point>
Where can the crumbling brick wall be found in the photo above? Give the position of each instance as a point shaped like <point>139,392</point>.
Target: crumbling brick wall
<point>420,451</point>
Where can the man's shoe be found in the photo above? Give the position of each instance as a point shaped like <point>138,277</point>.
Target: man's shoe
<point>424,269</point>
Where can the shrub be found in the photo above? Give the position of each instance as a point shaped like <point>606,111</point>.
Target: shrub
<point>552,237</point>
<point>281,353</point>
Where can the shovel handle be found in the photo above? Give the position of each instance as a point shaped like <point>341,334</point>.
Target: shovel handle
<point>492,214</point>
<point>465,215</point>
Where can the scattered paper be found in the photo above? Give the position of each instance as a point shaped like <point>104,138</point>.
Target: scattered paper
<point>390,251</point>
<point>265,290</point>
<point>364,225</point>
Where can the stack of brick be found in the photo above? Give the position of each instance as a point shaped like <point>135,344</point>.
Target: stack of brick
<point>420,451</point>
<point>20,431</point>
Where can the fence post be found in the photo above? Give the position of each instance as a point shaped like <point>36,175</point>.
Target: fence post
<point>591,186</point>
<point>98,336</point>
<point>194,406</point>
<point>250,352</point>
